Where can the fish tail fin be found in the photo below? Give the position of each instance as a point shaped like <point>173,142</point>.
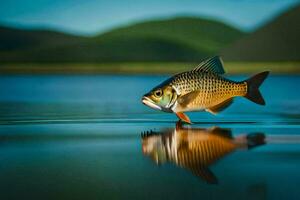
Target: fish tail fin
<point>250,141</point>
<point>253,84</point>
<point>255,139</point>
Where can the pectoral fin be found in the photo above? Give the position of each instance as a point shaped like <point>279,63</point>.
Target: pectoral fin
<point>218,108</point>
<point>183,117</point>
<point>187,98</point>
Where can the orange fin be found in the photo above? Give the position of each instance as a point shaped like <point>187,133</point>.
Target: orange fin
<point>183,117</point>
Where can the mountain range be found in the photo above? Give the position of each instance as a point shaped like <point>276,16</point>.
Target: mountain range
<point>177,39</point>
<point>278,40</point>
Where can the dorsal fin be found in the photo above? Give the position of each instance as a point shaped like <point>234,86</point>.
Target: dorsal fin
<point>221,132</point>
<point>214,64</point>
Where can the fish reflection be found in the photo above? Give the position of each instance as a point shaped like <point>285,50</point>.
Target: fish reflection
<point>195,149</point>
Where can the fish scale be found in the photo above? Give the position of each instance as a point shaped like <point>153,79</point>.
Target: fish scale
<point>202,150</point>
<point>196,149</point>
<point>213,89</point>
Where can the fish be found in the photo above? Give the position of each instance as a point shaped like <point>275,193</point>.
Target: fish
<point>196,149</point>
<point>203,89</point>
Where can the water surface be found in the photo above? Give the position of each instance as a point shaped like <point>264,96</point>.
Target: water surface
<point>79,137</point>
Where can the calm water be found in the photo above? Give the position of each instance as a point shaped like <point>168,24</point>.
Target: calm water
<point>89,137</point>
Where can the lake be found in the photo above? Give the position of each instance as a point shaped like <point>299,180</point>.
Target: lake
<point>90,137</point>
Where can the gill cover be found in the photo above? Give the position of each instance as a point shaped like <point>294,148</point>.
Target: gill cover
<point>161,98</point>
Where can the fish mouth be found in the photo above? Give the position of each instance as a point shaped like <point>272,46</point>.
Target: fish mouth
<point>148,102</point>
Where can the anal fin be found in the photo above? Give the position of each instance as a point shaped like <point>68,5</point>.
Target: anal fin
<point>204,173</point>
<point>183,117</point>
<point>218,108</point>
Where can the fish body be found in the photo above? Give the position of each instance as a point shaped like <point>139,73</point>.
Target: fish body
<point>203,88</point>
<point>202,148</point>
<point>195,149</point>
<point>210,90</point>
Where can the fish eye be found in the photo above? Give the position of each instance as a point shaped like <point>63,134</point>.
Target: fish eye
<point>158,93</point>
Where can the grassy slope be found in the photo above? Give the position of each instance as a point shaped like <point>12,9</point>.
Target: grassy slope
<point>125,49</point>
<point>12,39</point>
<point>206,36</point>
<point>145,68</point>
<point>277,41</point>
<point>180,39</point>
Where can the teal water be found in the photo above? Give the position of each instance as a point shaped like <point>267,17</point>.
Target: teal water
<point>79,137</point>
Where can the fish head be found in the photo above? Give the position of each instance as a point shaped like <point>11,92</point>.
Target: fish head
<point>161,98</point>
<point>153,147</point>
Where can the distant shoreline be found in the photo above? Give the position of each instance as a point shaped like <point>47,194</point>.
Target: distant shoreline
<point>143,68</point>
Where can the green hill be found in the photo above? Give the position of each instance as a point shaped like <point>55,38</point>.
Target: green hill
<point>191,38</point>
<point>12,39</point>
<point>179,39</point>
<point>279,40</point>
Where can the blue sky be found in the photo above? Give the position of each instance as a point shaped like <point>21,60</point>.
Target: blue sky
<point>89,17</point>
